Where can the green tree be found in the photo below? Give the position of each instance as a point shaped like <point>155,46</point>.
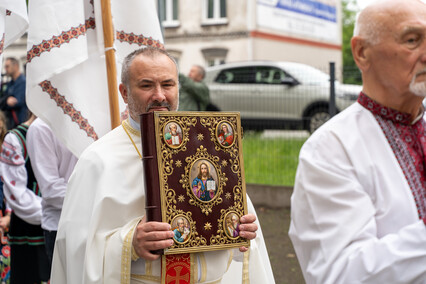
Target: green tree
<point>351,73</point>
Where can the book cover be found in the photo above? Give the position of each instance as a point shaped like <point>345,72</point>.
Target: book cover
<point>194,177</point>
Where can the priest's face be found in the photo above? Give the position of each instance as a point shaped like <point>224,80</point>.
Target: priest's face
<point>153,85</point>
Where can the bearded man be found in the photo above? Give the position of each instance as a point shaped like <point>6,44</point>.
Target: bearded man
<point>103,236</point>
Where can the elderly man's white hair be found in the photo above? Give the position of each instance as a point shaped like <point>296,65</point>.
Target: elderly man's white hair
<point>368,24</point>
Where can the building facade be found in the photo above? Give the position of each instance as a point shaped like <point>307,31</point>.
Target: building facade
<point>210,32</point>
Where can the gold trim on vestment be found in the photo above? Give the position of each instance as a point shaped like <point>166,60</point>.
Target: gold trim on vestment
<point>127,128</point>
<point>148,267</point>
<point>194,268</point>
<point>203,266</point>
<point>147,277</point>
<point>231,256</point>
<point>246,279</point>
<point>126,124</point>
<point>126,257</point>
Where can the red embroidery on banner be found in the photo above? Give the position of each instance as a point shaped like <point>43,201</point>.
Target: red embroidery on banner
<point>131,38</point>
<point>8,12</point>
<point>57,41</point>
<point>2,44</point>
<point>69,109</point>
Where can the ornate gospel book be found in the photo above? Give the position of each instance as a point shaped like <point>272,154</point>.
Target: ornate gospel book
<point>194,177</point>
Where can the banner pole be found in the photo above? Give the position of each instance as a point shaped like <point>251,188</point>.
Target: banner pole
<point>111,68</point>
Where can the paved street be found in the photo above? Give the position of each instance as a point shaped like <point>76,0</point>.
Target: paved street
<point>275,224</point>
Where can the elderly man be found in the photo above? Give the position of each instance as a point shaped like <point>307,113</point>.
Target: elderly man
<point>102,235</point>
<point>359,202</point>
<point>194,93</point>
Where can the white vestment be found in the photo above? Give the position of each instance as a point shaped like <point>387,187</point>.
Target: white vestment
<point>104,202</point>
<point>354,217</point>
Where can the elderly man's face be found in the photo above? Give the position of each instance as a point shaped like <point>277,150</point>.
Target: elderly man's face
<point>153,85</point>
<point>400,56</point>
<point>195,74</point>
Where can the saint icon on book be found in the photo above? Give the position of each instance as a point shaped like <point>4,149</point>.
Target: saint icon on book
<point>173,134</point>
<point>232,225</point>
<point>181,229</point>
<point>204,185</point>
<point>225,134</point>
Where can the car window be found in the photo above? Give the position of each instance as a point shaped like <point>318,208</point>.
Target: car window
<point>241,75</point>
<point>269,75</point>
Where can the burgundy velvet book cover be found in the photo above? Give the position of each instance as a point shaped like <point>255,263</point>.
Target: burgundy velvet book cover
<point>194,177</point>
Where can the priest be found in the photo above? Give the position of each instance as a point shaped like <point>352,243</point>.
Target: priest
<point>103,236</point>
<point>359,201</point>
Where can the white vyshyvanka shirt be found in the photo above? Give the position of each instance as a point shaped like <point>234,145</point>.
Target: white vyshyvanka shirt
<point>52,164</point>
<point>354,217</point>
<point>24,201</point>
<point>104,202</point>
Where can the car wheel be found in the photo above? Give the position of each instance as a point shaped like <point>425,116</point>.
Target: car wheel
<point>317,118</point>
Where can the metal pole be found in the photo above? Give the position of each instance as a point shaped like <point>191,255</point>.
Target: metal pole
<point>332,104</point>
<point>161,14</point>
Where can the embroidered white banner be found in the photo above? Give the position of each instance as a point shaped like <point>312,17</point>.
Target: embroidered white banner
<point>13,22</point>
<point>66,69</point>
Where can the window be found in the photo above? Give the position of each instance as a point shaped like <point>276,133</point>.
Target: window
<point>169,13</point>
<point>241,75</point>
<point>214,56</point>
<point>215,61</point>
<point>214,12</point>
<point>269,75</point>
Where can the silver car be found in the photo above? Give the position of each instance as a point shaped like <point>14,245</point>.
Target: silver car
<point>276,95</point>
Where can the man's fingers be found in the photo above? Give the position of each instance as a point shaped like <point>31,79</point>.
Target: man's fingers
<point>154,226</point>
<point>154,236</point>
<point>248,235</point>
<point>249,218</point>
<point>249,227</point>
<point>145,251</point>
<point>156,245</point>
<point>149,256</point>
<point>243,249</point>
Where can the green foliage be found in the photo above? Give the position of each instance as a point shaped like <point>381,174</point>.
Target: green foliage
<point>270,161</point>
<point>351,74</point>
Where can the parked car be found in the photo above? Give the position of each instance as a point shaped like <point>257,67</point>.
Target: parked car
<point>276,95</point>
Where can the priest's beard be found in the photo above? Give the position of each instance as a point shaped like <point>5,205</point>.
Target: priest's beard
<point>136,107</point>
<point>419,89</point>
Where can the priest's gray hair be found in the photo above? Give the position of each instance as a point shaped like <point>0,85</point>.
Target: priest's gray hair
<point>148,51</point>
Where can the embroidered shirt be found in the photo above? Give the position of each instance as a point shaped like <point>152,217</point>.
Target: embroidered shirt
<point>408,142</point>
